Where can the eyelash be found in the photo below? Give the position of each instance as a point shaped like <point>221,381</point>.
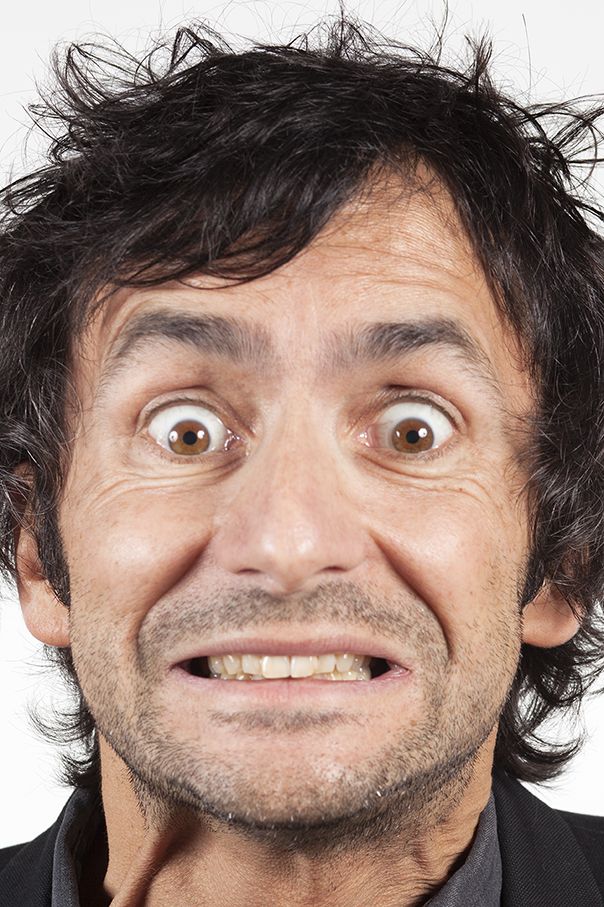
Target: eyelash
<point>387,398</point>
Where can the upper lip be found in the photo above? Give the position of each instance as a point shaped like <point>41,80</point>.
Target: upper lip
<point>292,645</point>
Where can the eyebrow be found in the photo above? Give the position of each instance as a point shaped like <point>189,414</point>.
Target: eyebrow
<point>214,335</point>
<point>246,344</point>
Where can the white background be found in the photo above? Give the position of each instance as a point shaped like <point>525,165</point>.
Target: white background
<point>543,51</point>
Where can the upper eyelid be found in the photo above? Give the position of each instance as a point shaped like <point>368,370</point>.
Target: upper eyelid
<point>149,413</point>
<point>393,396</point>
<point>399,395</point>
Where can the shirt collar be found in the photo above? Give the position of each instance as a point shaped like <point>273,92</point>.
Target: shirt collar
<point>478,881</point>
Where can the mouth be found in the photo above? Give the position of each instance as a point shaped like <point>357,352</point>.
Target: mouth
<point>324,668</point>
<point>255,667</point>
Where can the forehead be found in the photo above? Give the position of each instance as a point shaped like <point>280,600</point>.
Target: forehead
<point>397,252</point>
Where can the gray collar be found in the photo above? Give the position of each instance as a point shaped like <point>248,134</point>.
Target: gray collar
<point>478,881</point>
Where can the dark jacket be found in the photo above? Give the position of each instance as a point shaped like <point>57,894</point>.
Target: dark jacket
<point>550,857</point>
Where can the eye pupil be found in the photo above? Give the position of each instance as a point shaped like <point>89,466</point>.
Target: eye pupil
<point>189,436</point>
<point>412,434</point>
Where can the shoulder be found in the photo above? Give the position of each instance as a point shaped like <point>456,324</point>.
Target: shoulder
<point>518,801</point>
<point>591,825</point>
<point>589,832</point>
<point>32,848</point>
<point>544,848</point>
<point>7,853</point>
<point>26,869</point>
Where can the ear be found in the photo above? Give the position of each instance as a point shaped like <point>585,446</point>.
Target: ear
<point>45,616</point>
<point>548,620</point>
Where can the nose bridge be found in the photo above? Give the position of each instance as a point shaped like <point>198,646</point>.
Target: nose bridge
<point>291,518</point>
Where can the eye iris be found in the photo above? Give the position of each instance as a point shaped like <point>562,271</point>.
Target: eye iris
<point>189,437</point>
<point>412,434</point>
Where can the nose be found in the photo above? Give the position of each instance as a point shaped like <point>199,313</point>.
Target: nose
<point>290,522</point>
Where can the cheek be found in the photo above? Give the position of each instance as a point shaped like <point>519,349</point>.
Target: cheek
<point>457,554</point>
<point>133,544</point>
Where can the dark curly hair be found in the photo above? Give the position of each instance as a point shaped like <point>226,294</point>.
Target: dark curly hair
<point>201,159</point>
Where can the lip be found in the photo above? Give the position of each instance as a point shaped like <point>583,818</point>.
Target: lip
<point>309,645</point>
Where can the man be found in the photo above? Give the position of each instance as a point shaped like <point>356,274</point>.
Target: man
<point>302,459</point>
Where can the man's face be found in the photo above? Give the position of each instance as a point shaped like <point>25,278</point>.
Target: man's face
<point>327,494</point>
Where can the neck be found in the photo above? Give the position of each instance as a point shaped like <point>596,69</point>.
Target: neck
<point>188,860</point>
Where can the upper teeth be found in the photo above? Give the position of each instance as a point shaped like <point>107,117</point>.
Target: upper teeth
<point>289,665</point>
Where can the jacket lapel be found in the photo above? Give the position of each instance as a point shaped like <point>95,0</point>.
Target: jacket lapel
<point>542,863</point>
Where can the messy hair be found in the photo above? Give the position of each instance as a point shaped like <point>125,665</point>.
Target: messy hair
<point>200,159</point>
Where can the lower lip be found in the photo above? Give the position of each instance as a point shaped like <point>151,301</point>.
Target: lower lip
<point>292,690</point>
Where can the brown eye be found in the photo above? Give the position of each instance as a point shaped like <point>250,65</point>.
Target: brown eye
<point>189,437</point>
<point>410,435</point>
<point>411,426</point>
<point>189,429</point>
